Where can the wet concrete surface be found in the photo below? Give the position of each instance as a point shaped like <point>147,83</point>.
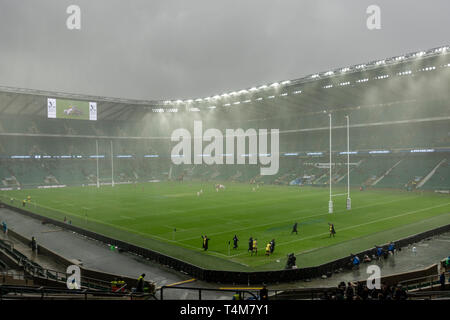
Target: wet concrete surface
<point>428,252</point>
<point>98,256</point>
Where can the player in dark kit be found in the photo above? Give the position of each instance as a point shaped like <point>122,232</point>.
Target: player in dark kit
<point>235,242</point>
<point>294,228</point>
<point>250,244</point>
<point>272,246</point>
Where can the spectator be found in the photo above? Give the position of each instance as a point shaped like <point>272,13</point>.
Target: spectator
<point>140,284</point>
<point>442,280</point>
<point>355,261</point>
<point>391,247</point>
<point>264,293</point>
<point>365,293</point>
<point>340,294</point>
<point>236,296</point>
<point>114,285</point>
<point>121,284</point>
<point>400,293</point>
<point>379,252</point>
<point>33,244</point>
<point>349,293</point>
<point>291,261</point>
<point>385,291</point>
<point>5,227</point>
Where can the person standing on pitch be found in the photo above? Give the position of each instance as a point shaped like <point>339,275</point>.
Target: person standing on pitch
<point>250,244</point>
<point>294,228</point>
<point>235,242</point>
<point>332,230</point>
<point>268,246</point>
<point>205,243</point>
<point>272,246</point>
<point>255,247</point>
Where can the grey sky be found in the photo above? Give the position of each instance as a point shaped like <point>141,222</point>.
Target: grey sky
<point>180,49</point>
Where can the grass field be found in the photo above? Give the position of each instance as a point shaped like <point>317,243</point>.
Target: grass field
<point>147,215</point>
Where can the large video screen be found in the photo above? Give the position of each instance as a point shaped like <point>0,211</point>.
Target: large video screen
<point>71,109</point>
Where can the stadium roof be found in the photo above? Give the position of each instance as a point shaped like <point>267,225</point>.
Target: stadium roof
<point>283,94</point>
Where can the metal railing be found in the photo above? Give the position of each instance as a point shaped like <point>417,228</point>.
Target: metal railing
<point>430,295</point>
<point>249,293</point>
<point>422,282</point>
<point>201,292</point>
<point>42,293</point>
<point>35,270</point>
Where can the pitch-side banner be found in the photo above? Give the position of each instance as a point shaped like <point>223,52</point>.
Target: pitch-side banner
<point>71,109</point>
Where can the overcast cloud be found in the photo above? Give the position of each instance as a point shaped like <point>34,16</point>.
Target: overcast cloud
<point>171,49</point>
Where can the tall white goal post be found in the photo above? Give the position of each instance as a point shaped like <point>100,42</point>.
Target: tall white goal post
<point>349,200</point>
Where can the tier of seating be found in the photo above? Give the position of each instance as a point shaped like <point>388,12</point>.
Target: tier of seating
<point>384,171</point>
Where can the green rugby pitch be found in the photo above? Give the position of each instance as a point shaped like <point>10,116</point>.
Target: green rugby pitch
<point>147,215</point>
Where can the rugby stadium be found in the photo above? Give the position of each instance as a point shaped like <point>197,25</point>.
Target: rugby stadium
<point>364,148</point>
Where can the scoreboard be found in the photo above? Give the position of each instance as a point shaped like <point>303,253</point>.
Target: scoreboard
<point>71,109</point>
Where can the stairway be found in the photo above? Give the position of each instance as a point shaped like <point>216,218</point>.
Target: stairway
<point>386,173</point>
<point>430,174</point>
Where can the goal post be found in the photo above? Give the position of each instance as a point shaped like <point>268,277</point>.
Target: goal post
<point>349,200</point>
